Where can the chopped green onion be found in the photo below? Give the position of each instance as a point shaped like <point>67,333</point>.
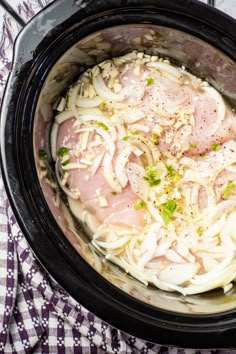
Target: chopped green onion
<point>102,125</point>
<point>62,151</point>
<point>64,163</point>
<point>173,174</point>
<point>125,138</point>
<point>140,204</point>
<point>167,210</point>
<point>168,189</point>
<point>155,138</point>
<point>102,106</point>
<point>113,193</point>
<point>151,174</point>
<point>191,145</point>
<point>42,154</point>
<point>149,81</point>
<point>215,147</point>
<point>228,189</point>
<point>199,230</point>
<point>157,35</point>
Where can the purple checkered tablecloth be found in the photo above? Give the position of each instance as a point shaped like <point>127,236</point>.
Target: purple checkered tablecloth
<point>36,315</point>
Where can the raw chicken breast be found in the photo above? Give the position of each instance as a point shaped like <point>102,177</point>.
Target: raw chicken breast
<point>146,153</point>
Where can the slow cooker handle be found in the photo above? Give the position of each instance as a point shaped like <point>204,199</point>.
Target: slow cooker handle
<point>7,6</point>
<point>34,32</point>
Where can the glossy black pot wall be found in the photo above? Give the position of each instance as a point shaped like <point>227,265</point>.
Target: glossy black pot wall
<point>38,50</point>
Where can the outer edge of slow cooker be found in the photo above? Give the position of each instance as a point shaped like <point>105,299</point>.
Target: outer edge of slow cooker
<point>14,79</point>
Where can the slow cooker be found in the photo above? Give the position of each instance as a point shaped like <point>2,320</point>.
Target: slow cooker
<point>50,53</point>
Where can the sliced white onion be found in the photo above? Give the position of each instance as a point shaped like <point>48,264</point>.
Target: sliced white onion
<point>102,119</point>
<point>53,139</point>
<point>120,164</point>
<point>66,190</point>
<point>143,147</point>
<point>109,174</point>
<point>154,212</point>
<point>106,136</point>
<point>144,240</point>
<point>96,163</point>
<point>103,91</point>
<point>178,273</point>
<point>172,72</point>
<point>78,210</point>
<point>117,120</point>
<point>128,269</point>
<point>74,166</point>
<point>76,207</point>
<point>215,228</point>
<point>88,102</point>
<point>72,96</point>
<point>226,205</point>
<point>89,112</point>
<point>153,148</point>
<point>113,105</point>
<point>173,257</point>
<point>104,232</point>
<point>162,248</point>
<point>63,116</point>
<point>194,197</point>
<point>140,127</point>
<point>97,247</point>
<point>229,229</point>
<point>163,285</point>
<point>214,274</point>
<point>227,288</point>
<point>137,152</point>
<point>132,115</point>
<point>182,249</point>
<point>223,278</point>
<point>209,263</point>
<point>130,252</point>
<point>220,108</point>
<point>120,242</point>
<point>149,246</point>
<point>135,175</point>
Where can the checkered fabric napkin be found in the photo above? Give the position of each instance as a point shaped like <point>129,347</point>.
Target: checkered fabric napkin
<point>36,315</point>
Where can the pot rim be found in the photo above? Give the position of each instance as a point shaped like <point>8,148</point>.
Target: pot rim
<point>28,57</point>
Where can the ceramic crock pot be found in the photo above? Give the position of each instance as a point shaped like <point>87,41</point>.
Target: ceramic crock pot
<point>50,53</point>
